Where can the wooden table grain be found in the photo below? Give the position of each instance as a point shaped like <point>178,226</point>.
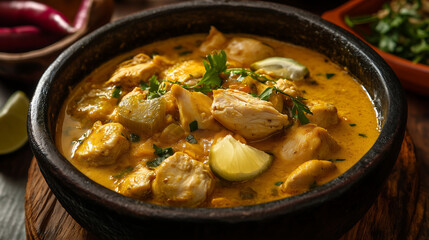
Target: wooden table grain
<point>14,166</point>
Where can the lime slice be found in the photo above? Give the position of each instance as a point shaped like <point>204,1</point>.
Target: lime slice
<point>282,68</point>
<point>235,161</point>
<point>13,123</point>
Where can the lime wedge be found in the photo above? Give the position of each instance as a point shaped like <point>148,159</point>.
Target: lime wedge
<point>234,161</point>
<point>13,123</point>
<point>282,68</point>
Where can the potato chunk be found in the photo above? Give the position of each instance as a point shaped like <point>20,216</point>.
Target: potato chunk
<point>141,115</point>
<point>182,181</point>
<point>248,116</point>
<point>137,184</point>
<point>304,143</point>
<point>104,145</point>
<point>324,114</point>
<point>306,175</point>
<point>247,51</point>
<point>194,106</point>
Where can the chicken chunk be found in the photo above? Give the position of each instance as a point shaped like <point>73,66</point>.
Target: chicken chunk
<point>214,41</point>
<point>194,106</point>
<point>96,104</point>
<point>248,116</point>
<point>182,181</point>
<point>138,183</point>
<point>188,72</point>
<point>306,175</point>
<point>104,145</point>
<point>130,73</point>
<point>324,114</point>
<point>247,51</point>
<point>288,87</point>
<point>304,143</point>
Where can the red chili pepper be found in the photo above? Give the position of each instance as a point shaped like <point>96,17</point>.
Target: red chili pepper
<point>82,14</point>
<point>47,25</point>
<point>17,13</point>
<point>24,38</point>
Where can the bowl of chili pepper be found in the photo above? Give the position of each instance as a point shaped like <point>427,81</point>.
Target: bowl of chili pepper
<point>397,30</point>
<point>33,34</point>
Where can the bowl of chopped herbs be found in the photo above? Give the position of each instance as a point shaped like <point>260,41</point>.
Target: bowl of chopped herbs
<point>397,29</point>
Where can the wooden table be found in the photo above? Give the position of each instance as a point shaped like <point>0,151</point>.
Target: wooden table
<point>14,166</point>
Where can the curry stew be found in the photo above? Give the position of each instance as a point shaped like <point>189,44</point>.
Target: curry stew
<point>216,120</point>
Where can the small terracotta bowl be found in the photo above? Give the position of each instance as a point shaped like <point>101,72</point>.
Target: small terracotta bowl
<point>29,66</point>
<point>413,76</point>
<point>323,213</point>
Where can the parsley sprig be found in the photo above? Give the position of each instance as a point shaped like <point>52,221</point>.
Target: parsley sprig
<point>156,89</point>
<point>214,68</point>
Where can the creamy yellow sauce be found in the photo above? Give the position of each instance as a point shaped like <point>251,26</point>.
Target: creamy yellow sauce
<point>355,132</point>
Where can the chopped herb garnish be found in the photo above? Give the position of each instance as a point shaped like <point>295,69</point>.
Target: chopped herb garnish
<point>298,109</point>
<point>313,185</point>
<point>329,75</point>
<point>193,126</point>
<point>248,193</point>
<point>154,53</point>
<point>244,73</point>
<point>352,124</point>
<point>314,82</point>
<point>278,183</point>
<point>266,94</point>
<point>134,137</point>
<point>123,172</point>
<point>185,53</point>
<point>211,79</point>
<point>155,88</point>
<point>191,139</point>
<point>162,154</point>
<point>337,160</point>
<point>362,135</point>
<point>253,95</point>
<point>178,47</point>
<point>399,28</point>
<point>117,92</point>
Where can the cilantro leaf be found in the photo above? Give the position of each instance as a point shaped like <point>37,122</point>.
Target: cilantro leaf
<point>191,139</point>
<point>156,89</point>
<point>214,67</point>
<point>162,154</point>
<point>266,94</point>
<point>245,72</point>
<point>117,92</point>
<point>299,108</point>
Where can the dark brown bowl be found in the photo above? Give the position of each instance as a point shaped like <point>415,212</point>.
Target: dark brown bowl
<point>323,213</point>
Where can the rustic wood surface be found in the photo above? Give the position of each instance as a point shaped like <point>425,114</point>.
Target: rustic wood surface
<point>14,166</point>
<point>398,213</point>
